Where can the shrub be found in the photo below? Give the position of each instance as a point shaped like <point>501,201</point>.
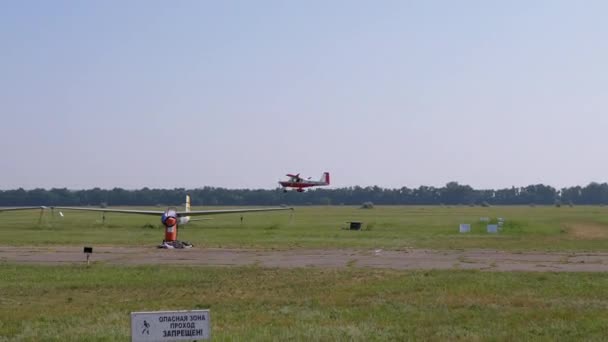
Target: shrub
<point>367,205</point>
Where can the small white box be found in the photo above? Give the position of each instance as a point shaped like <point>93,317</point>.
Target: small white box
<point>465,228</point>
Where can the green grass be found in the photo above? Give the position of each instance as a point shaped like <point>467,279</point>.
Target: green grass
<point>582,228</point>
<point>63,303</point>
<point>76,303</point>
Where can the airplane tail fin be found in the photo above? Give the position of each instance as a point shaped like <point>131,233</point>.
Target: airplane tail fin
<point>188,206</point>
<point>325,178</point>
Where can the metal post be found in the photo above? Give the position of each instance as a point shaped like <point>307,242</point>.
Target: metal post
<point>41,213</point>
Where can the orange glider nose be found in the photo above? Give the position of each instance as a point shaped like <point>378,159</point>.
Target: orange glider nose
<point>170,221</point>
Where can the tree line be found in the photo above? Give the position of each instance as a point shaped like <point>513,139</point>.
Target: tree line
<point>450,194</point>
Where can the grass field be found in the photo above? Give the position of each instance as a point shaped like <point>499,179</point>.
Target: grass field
<point>76,303</point>
<point>583,228</point>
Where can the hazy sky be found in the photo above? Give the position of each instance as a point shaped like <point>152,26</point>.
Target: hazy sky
<point>238,93</point>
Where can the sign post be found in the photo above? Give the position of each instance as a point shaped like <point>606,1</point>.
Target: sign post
<point>88,251</point>
<point>160,326</point>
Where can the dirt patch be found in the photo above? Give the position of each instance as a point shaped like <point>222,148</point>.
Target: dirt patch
<point>411,259</point>
<point>587,231</point>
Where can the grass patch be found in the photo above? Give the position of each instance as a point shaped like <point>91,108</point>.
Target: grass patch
<point>252,304</point>
<point>582,228</point>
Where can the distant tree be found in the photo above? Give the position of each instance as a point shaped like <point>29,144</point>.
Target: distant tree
<point>454,193</point>
<point>451,194</point>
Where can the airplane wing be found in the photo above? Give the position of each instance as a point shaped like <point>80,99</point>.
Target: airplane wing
<point>179,213</point>
<point>22,208</point>
<point>121,211</point>
<point>227,211</point>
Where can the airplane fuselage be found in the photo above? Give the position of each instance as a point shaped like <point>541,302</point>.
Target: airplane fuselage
<point>299,183</point>
<point>171,220</point>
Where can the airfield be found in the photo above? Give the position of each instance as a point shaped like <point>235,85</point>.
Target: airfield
<point>408,274</point>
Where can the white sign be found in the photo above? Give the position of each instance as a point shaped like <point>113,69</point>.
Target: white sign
<point>170,325</point>
<point>465,228</point>
<point>492,228</point>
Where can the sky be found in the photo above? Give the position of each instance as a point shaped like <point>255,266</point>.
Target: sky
<point>235,94</point>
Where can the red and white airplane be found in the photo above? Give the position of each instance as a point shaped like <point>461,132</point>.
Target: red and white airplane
<point>298,183</point>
